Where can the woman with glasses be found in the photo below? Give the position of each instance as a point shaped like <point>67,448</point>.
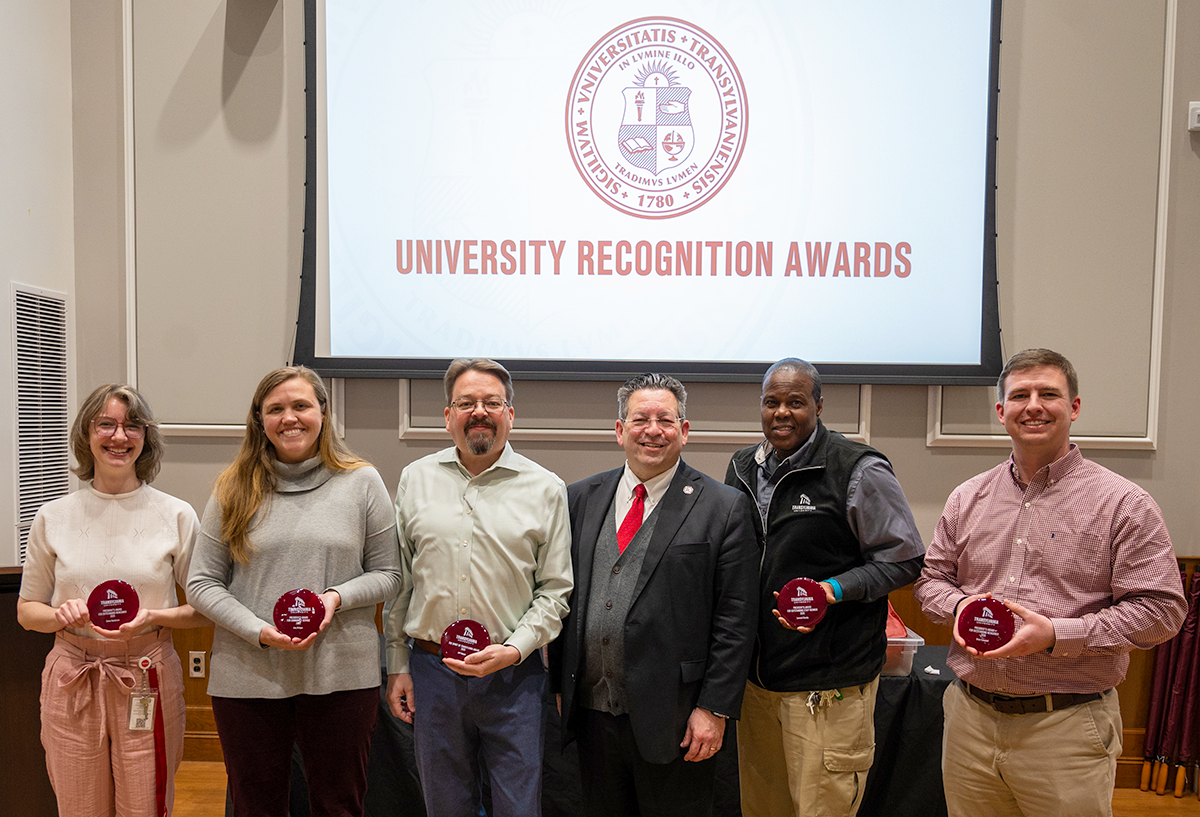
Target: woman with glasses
<point>295,510</point>
<point>112,696</point>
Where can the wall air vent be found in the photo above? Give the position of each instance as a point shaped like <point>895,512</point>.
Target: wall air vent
<point>39,321</point>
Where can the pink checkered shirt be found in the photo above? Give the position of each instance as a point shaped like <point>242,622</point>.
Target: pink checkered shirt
<point>1081,545</point>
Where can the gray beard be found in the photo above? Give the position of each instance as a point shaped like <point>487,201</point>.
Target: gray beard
<point>480,444</point>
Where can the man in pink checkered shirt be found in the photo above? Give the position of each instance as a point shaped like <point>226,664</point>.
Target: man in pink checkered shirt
<point>1082,556</point>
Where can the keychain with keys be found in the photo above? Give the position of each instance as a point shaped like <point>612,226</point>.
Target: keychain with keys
<point>816,700</point>
<point>142,700</point>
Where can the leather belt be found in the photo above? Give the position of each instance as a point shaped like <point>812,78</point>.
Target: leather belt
<point>431,647</point>
<point>1029,704</point>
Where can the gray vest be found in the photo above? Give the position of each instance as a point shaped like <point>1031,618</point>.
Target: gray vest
<point>614,575</point>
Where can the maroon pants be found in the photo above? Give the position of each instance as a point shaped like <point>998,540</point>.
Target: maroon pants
<point>334,734</point>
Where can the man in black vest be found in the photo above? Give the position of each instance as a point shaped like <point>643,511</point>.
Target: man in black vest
<point>653,656</point>
<point>830,510</point>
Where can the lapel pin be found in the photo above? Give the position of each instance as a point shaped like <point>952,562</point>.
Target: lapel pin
<point>687,489</point>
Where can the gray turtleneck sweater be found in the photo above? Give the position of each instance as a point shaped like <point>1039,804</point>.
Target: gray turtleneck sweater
<point>321,530</point>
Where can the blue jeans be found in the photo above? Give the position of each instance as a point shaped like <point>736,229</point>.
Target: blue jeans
<point>462,722</point>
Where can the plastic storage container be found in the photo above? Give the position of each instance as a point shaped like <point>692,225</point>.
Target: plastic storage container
<point>900,652</point>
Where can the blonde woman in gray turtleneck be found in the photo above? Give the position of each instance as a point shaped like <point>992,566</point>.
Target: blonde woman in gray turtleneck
<point>296,509</point>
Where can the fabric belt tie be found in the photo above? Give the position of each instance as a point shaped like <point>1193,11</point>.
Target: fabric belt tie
<point>87,678</point>
<point>1031,704</point>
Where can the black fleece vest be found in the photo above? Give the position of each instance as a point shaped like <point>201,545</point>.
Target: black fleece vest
<point>807,535</point>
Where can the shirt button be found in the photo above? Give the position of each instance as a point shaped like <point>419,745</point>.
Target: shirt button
<point>604,640</point>
<point>1018,541</point>
<point>464,578</point>
<point>608,674</point>
<point>617,569</point>
<point>463,610</point>
<point>1012,578</point>
<point>464,544</point>
<point>608,605</point>
<point>1026,505</point>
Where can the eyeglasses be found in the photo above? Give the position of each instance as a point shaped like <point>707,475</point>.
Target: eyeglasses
<point>643,423</point>
<point>106,428</point>
<point>491,406</point>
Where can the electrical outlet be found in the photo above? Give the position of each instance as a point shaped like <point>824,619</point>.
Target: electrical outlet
<point>1194,116</point>
<point>197,664</point>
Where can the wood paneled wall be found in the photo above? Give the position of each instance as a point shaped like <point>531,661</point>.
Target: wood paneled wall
<point>23,779</point>
<point>200,738</point>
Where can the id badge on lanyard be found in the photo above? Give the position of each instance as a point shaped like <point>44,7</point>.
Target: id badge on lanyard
<point>143,700</point>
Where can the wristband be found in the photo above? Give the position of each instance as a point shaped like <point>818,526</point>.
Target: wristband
<point>837,589</point>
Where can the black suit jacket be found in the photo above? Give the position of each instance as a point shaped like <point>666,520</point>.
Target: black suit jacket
<point>692,622</point>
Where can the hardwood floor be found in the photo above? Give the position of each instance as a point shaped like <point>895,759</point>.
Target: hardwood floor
<point>200,789</point>
<point>200,792</point>
<point>1138,803</point>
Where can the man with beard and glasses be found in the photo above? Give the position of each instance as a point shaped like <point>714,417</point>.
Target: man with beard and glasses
<point>484,544</point>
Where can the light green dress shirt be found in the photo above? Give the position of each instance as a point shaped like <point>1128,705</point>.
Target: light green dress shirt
<point>495,548</point>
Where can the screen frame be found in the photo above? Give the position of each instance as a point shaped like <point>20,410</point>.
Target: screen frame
<point>305,353</point>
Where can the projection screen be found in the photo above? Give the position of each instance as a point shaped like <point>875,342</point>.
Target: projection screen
<point>592,189</point>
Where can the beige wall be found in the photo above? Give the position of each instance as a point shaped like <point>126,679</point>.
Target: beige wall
<point>219,196</point>
<point>36,246</point>
<point>98,112</point>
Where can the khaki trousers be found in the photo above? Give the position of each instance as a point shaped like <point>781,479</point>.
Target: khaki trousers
<point>1060,763</point>
<point>793,761</point>
<point>97,765</point>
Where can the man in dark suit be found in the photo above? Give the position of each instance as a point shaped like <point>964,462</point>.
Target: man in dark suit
<point>653,656</point>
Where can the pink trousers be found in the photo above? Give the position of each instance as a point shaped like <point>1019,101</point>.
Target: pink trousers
<point>97,765</point>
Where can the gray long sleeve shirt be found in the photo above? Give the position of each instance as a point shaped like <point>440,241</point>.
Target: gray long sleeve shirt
<point>321,530</point>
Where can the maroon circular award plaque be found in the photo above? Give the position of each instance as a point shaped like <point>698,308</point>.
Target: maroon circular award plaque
<point>299,613</point>
<point>986,624</point>
<point>802,603</point>
<point>112,604</point>
<point>464,637</point>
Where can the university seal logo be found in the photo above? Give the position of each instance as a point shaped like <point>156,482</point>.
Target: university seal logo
<point>656,117</point>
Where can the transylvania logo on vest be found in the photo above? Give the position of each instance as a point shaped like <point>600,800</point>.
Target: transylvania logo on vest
<point>804,505</point>
<point>656,117</point>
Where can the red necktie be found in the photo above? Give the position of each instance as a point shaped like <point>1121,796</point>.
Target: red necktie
<point>633,519</point>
